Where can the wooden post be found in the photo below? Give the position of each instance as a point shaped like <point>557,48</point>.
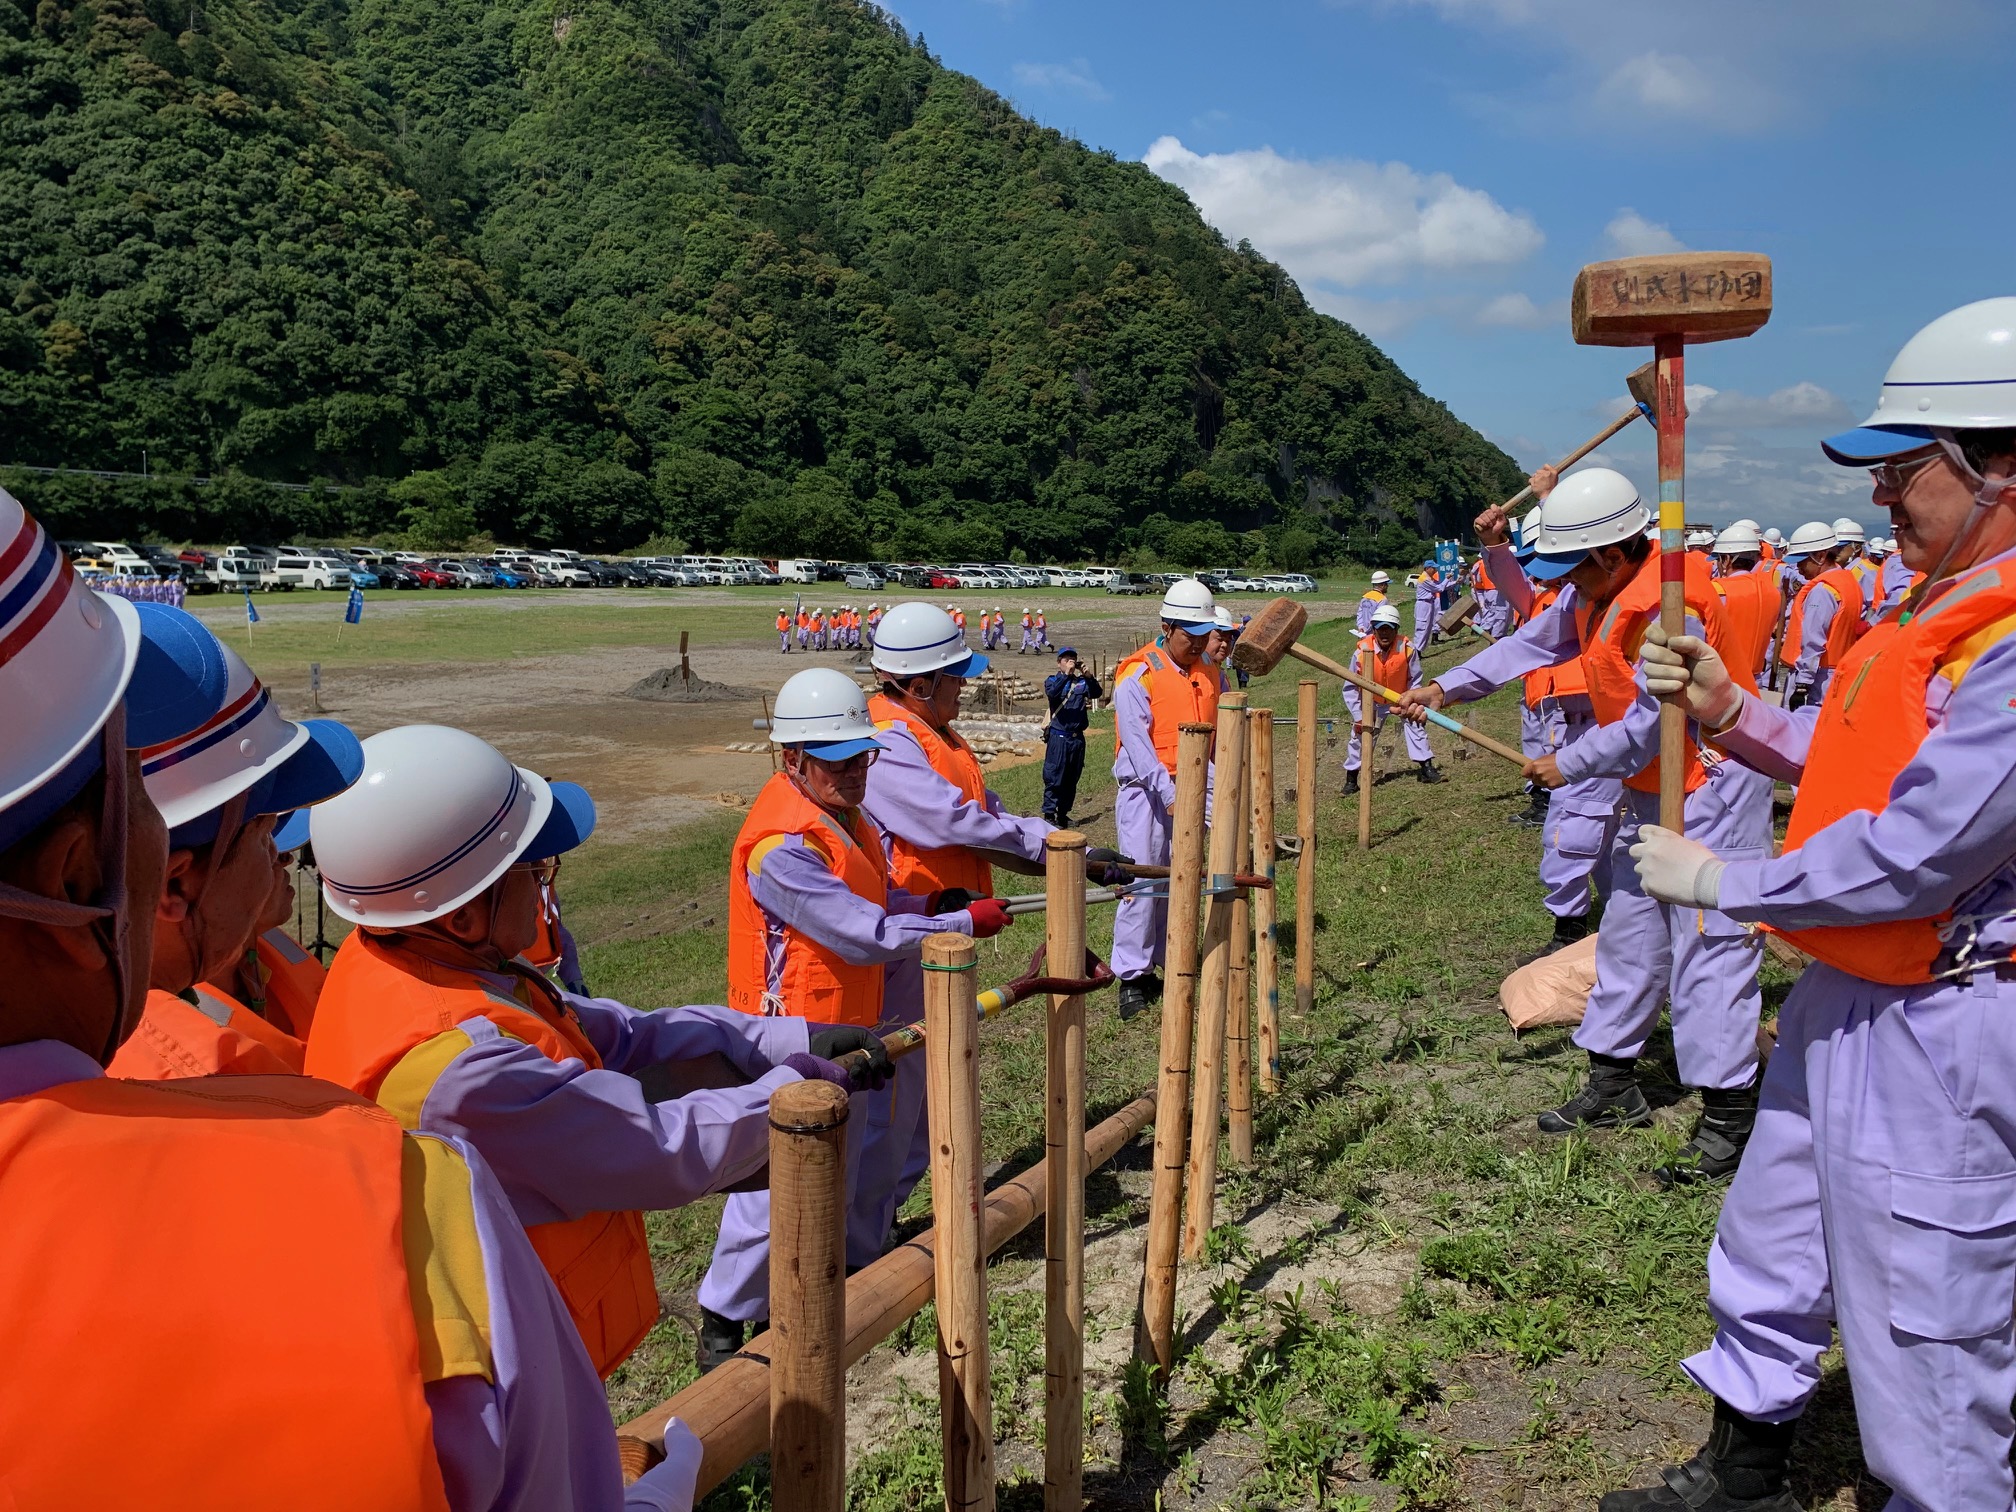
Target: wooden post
<point>1266,959</point>
<point>808,1297</point>
<point>1305,864</point>
<point>685,668</point>
<point>1064,1155</point>
<point>1670,353</point>
<point>1239,978</point>
<point>1368,770</point>
<point>952,1069</point>
<point>1214,978</point>
<point>1179,1007</point>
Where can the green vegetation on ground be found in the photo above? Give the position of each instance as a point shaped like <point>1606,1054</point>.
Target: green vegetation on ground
<point>758,272</point>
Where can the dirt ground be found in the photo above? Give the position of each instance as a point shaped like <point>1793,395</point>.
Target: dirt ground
<point>651,765</point>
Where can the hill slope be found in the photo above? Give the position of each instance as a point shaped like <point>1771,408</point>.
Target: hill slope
<point>740,270</point>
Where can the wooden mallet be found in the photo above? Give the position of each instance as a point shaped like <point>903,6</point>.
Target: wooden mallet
<point>1642,383</point>
<point>1669,300</point>
<point>1276,632</point>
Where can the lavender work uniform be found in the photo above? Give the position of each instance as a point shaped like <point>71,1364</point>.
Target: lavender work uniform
<point>1366,605</point>
<point>793,886</point>
<point>1896,582</point>
<point>1427,609</point>
<point>1878,1193</point>
<point>535,1436</point>
<point>1141,811</point>
<point>1648,951</point>
<point>909,801</point>
<point>1417,735</point>
<point>1575,843</point>
<point>1816,620</point>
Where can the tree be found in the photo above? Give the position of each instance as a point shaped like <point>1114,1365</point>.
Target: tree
<point>1199,543</point>
<point>815,517</point>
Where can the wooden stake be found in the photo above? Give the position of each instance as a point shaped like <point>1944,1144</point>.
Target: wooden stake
<point>1266,957</point>
<point>1239,978</point>
<point>1179,1006</point>
<point>1670,353</point>
<point>1214,979</point>
<point>1305,864</point>
<point>952,1061</point>
<point>1368,772</point>
<point>685,668</point>
<point>808,1277</point>
<point>729,1409</point>
<point>1064,1211</point>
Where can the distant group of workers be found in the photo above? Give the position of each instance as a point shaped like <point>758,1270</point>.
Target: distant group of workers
<point>843,629</point>
<point>139,590</point>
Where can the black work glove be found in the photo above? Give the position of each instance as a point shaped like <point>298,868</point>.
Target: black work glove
<point>1106,867</point>
<point>951,900</point>
<point>844,1039</point>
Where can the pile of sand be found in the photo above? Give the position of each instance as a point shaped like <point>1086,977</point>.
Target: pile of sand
<point>667,686</point>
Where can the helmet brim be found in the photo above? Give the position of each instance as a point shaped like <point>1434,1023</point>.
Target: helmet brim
<point>972,666</point>
<point>291,833</point>
<point>1193,627</point>
<point>840,750</point>
<point>570,822</point>
<point>324,764</point>
<point>1876,443</point>
<point>1550,569</point>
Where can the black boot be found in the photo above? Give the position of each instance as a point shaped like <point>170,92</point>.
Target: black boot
<point>719,1338</point>
<point>1534,815</point>
<point>1351,780</point>
<point>1428,772</point>
<point>1133,998</point>
<point>1566,932</point>
<point>1716,1147</point>
<point>1740,1469</point>
<point>1611,1100</point>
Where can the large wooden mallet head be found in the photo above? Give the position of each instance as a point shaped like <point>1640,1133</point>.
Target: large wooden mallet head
<point>1698,296</point>
<point>1268,635</point>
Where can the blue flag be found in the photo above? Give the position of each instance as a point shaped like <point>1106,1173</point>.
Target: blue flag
<point>251,614</point>
<point>353,612</point>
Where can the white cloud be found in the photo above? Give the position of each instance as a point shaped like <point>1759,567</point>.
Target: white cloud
<point>1518,312</point>
<point>1804,405</point>
<point>1629,234</point>
<point>1347,222</point>
<point>1074,77</point>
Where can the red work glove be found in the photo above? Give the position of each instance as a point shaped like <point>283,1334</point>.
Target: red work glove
<point>990,916</point>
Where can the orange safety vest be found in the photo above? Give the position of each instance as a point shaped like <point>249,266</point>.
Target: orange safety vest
<point>1610,648</point>
<point>804,621</point>
<point>816,984</point>
<point>235,1245</point>
<point>1751,601</point>
<point>1544,682</point>
<point>1847,625</point>
<point>1871,725</point>
<point>1026,621</point>
<point>1389,670</point>
<point>293,982</point>
<point>1175,697</point>
<point>215,1036</point>
<point>783,622</point>
<point>383,1001</point>
<point>959,618</point>
<point>1482,580</point>
<point>921,870</point>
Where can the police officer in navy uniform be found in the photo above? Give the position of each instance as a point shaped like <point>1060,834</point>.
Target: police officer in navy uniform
<point>1071,691</point>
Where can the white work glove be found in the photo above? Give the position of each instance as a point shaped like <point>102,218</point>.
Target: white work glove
<point>1687,666</point>
<point>1674,869</point>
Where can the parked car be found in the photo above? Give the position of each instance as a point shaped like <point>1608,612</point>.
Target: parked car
<point>236,572</point>
<point>506,576</point>
<point>568,571</point>
<point>1134,585</point>
<point>397,575</point>
<point>866,578</point>
<point>197,570</point>
<point>302,571</point>
<point>364,577</point>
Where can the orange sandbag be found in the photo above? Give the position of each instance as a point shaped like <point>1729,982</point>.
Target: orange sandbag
<point>1551,990</point>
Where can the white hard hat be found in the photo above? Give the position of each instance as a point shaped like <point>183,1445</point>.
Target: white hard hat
<point>1386,614</point>
<point>1958,373</point>
<point>1850,530</point>
<point>1738,540</point>
<point>1748,524</point>
<point>825,711</point>
<point>1381,578</point>
<point>438,817</point>
<point>70,657</point>
<point>1588,509</point>
<point>1189,603</point>
<point>1775,536</point>
<point>1810,539</point>
<point>1221,619</point>
<point>915,638</point>
<point>1699,536</point>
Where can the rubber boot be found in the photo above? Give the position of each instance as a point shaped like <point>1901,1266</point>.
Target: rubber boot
<point>1351,780</point>
<point>1133,998</point>
<point>719,1338</point>
<point>1566,932</point>
<point>1716,1147</point>
<point>1742,1468</point>
<point>1428,772</point>
<point>1610,1100</point>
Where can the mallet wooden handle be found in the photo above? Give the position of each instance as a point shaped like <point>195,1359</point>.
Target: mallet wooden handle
<point>1435,716</point>
<point>993,1000</point>
<point>1580,452</point>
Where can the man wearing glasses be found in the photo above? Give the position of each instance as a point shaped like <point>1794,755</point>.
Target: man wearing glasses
<point>1878,1195</point>
<point>816,927</point>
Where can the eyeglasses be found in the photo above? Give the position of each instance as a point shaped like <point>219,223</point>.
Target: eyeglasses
<point>860,761</point>
<point>543,872</point>
<point>1895,477</point>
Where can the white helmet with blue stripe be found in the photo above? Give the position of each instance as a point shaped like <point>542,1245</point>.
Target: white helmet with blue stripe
<point>1587,510</point>
<point>917,639</point>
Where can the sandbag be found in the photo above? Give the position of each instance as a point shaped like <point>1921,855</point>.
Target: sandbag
<point>1552,990</point>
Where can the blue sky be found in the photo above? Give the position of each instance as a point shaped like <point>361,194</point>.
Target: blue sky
<point>1435,171</point>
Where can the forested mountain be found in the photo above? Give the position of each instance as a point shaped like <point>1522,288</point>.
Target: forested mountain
<point>750,272</point>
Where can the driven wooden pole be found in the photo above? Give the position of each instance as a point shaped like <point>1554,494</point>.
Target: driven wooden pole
<point>1367,770</point>
<point>1670,353</point>
<point>1239,978</point>
<point>952,1062</point>
<point>808,1298</point>
<point>1179,1007</point>
<point>1266,957</point>
<point>1064,1212</point>
<point>1214,979</point>
<point>1305,863</point>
